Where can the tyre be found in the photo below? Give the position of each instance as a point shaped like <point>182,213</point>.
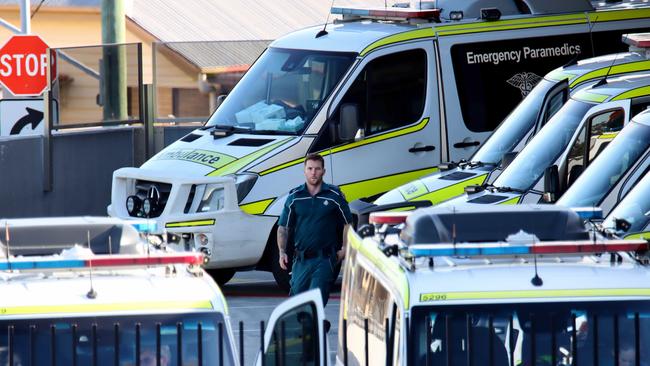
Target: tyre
<point>280,275</point>
<point>222,275</point>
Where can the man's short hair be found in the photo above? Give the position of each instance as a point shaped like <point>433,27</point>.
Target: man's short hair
<point>315,157</point>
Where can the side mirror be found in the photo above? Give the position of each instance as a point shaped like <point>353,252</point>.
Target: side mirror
<point>622,225</point>
<point>348,128</point>
<point>220,100</point>
<point>551,184</point>
<point>508,158</point>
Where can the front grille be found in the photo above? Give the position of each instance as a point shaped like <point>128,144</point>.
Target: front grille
<point>142,190</point>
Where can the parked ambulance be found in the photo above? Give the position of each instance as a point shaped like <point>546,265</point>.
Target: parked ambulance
<point>384,94</point>
<point>484,285</point>
<point>567,145</point>
<point>510,137</point>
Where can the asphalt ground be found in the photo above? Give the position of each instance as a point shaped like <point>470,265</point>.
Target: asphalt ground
<point>251,298</point>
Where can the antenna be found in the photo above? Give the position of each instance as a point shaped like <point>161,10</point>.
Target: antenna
<point>323,32</point>
<point>591,35</point>
<point>536,281</point>
<point>110,245</point>
<point>603,81</point>
<point>453,226</point>
<point>91,294</point>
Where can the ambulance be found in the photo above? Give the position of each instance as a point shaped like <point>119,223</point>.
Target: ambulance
<point>383,94</point>
<point>630,218</point>
<point>567,145</point>
<point>489,285</point>
<point>511,136</point>
<point>616,170</point>
<point>93,291</point>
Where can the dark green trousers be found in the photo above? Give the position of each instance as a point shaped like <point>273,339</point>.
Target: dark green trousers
<point>313,273</point>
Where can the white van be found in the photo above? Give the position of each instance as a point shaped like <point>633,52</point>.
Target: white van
<point>383,94</point>
<point>487,285</point>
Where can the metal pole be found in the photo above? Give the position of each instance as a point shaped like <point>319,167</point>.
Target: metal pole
<point>114,60</point>
<point>25,18</point>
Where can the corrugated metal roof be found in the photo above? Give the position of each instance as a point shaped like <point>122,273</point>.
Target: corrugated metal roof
<point>213,57</point>
<point>230,20</point>
<point>244,27</point>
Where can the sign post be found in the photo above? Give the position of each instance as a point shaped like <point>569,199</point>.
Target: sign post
<point>23,65</point>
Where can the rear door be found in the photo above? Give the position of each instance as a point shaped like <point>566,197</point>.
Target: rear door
<point>295,333</point>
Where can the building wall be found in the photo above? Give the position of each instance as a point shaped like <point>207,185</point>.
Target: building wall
<point>76,27</point>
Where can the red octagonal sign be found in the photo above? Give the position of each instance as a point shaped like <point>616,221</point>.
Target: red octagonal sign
<point>23,65</point>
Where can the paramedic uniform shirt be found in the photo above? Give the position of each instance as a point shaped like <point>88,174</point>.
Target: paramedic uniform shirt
<point>313,220</point>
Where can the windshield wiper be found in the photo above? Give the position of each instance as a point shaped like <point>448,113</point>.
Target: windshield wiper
<point>227,128</point>
<point>273,132</point>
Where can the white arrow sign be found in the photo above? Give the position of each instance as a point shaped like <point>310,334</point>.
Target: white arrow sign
<point>21,117</point>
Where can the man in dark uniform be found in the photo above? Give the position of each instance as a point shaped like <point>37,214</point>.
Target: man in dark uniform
<point>312,213</point>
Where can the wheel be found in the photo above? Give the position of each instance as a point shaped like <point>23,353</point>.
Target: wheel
<point>280,275</point>
<point>222,275</point>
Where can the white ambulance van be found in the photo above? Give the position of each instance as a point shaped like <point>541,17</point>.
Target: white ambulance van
<point>383,94</point>
<point>489,285</point>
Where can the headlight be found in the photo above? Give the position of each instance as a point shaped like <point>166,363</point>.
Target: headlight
<point>133,204</point>
<point>148,206</point>
<point>244,183</point>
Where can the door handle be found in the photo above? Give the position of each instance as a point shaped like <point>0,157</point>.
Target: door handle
<point>459,145</point>
<point>422,148</point>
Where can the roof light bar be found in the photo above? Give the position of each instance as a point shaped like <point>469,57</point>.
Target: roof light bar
<point>101,261</point>
<point>399,13</point>
<point>589,213</point>
<point>390,218</point>
<point>640,40</point>
<point>144,226</point>
<point>504,249</point>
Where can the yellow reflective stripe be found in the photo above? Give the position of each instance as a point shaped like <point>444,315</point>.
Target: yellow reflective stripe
<point>532,294</point>
<point>615,70</point>
<point>614,15</point>
<point>238,164</point>
<point>375,138</point>
<point>559,75</point>
<point>401,209</point>
<point>643,235</point>
<point>399,37</point>
<point>512,201</point>
<point>500,25</point>
<point>190,223</point>
<point>371,187</point>
<point>258,207</point>
<point>112,307</point>
<point>452,191</point>
<point>586,96</point>
<point>413,189</point>
<point>638,92</point>
<point>391,269</point>
<point>609,135</point>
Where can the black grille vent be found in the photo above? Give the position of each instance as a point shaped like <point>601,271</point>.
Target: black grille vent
<point>191,137</point>
<point>250,142</point>
<point>457,176</point>
<point>487,199</point>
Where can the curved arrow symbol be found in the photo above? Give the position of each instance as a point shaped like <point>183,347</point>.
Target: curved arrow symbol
<point>33,117</point>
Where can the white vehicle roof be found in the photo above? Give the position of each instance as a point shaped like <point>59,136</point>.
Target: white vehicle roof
<point>73,282</point>
<point>425,273</point>
<point>339,37</point>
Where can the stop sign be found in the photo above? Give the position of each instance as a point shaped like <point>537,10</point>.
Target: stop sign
<point>23,65</point>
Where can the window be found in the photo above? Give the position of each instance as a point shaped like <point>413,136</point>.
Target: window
<point>603,128</point>
<point>295,338</point>
<point>554,105</point>
<point>390,91</point>
<point>576,158</point>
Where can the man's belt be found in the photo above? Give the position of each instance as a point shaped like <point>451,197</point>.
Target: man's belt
<point>314,253</point>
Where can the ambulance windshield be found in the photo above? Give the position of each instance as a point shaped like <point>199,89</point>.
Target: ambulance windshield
<point>606,170</point>
<point>282,91</point>
<point>545,148</point>
<point>562,333</point>
<point>116,340</point>
<point>635,208</point>
<point>515,127</point>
